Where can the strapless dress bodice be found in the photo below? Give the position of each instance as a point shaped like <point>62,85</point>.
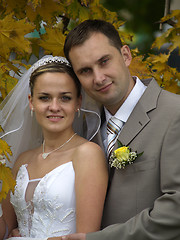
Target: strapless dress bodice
<point>51,212</point>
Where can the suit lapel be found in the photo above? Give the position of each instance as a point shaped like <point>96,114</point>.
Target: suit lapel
<point>139,117</point>
<point>136,122</point>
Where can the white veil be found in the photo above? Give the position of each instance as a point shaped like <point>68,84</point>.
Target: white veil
<point>22,132</point>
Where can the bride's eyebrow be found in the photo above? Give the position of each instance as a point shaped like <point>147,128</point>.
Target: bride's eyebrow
<point>43,93</point>
<point>66,92</point>
<point>60,93</point>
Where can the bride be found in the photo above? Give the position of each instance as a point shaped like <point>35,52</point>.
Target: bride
<point>61,184</point>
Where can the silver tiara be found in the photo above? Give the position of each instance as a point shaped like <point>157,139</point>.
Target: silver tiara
<point>49,59</point>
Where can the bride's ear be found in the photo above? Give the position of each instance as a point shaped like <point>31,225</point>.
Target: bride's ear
<point>30,102</point>
<point>79,102</point>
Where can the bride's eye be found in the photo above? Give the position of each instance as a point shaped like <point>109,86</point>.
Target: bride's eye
<point>66,98</point>
<point>44,98</point>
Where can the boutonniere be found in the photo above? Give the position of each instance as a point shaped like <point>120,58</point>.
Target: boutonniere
<point>122,156</point>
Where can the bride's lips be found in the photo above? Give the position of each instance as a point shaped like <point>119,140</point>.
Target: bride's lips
<point>105,88</point>
<point>54,118</point>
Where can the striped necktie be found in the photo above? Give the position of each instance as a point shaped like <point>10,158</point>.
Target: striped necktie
<point>114,126</point>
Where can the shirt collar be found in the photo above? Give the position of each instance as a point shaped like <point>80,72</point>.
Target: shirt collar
<point>127,107</point>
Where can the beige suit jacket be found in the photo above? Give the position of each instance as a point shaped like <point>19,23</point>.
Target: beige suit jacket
<point>143,201</point>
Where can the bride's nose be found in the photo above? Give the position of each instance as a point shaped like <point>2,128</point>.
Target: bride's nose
<point>55,105</point>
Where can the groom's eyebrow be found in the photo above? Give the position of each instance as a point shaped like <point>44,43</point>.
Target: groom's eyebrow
<point>103,58</point>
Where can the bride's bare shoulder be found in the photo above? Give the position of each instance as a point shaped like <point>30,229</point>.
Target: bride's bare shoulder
<point>22,159</point>
<point>84,146</point>
<point>88,151</point>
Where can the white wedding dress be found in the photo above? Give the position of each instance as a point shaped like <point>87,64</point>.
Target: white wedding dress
<point>45,207</point>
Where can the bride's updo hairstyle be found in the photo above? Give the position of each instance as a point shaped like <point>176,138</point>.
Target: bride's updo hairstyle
<point>59,66</point>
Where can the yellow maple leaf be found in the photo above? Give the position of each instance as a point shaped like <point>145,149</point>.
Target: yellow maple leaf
<point>7,66</point>
<point>46,10</point>
<point>18,7</point>
<point>1,130</point>
<point>82,13</point>
<point>7,181</point>
<point>84,2</point>
<point>174,13</point>
<point>53,42</point>
<point>96,2</point>
<point>5,149</point>
<point>70,10</point>
<point>97,11</point>
<point>174,88</point>
<point>162,58</point>
<point>35,47</point>
<point>34,3</point>
<point>139,68</point>
<point>176,42</point>
<point>159,42</point>
<point>12,34</point>
<point>7,82</point>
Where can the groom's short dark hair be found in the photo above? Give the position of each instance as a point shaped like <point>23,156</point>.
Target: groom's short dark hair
<point>84,30</point>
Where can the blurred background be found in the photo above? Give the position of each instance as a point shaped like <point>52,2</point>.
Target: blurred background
<point>142,19</point>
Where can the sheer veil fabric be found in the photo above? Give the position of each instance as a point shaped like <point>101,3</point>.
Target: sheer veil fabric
<point>22,132</point>
<point>26,238</point>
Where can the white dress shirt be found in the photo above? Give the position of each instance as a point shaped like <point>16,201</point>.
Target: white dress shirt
<point>126,108</point>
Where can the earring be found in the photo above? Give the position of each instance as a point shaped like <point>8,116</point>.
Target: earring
<point>32,109</point>
<point>79,112</point>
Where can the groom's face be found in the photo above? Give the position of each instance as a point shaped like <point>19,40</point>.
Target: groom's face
<point>103,70</point>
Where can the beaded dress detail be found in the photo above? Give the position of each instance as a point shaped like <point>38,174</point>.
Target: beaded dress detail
<point>51,212</point>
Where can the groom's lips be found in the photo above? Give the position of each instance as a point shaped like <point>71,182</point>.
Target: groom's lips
<point>105,88</point>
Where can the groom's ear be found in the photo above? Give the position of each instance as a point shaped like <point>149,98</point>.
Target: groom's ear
<point>126,54</point>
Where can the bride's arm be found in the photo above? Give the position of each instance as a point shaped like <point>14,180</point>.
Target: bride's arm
<point>8,219</point>
<point>91,178</point>
<point>2,223</point>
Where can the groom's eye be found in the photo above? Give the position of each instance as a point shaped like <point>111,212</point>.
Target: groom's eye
<point>104,61</point>
<point>85,71</point>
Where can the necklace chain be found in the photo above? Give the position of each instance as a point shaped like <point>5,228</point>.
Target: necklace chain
<point>45,155</point>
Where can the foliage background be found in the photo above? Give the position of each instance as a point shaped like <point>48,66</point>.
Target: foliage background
<point>33,28</point>
<point>39,26</point>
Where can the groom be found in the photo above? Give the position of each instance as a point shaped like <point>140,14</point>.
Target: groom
<point>143,200</point>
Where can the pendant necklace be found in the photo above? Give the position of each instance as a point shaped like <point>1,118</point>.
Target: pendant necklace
<point>45,155</point>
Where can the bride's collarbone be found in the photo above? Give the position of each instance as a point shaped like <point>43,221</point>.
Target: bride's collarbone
<point>39,167</point>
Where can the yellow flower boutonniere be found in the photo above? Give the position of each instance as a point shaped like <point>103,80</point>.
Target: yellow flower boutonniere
<point>122,156</point>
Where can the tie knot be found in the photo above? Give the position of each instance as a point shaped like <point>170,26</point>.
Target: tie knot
<point>114,126</point>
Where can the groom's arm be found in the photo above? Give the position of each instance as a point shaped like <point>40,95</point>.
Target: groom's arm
<point>15,233</point>
<point>75,236</point>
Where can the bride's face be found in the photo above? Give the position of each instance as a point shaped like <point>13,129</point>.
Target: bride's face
<point>54,101</point>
